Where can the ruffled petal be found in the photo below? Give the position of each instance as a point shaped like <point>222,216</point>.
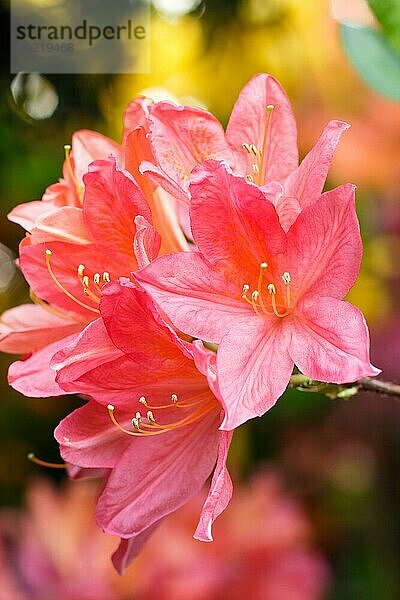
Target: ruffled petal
<point>330,341</point>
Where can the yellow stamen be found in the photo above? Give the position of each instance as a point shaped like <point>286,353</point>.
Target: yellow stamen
<point>254,297</point>
<point>62,288</point>
<point>272,290</point>
<point>286,280</point>
<point>44,463</point>
<point>79,188</point>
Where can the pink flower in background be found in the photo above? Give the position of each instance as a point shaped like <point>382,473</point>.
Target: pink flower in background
<point>260,143</point>
<point>162,440</point>
<point>270,298</point>
<point>263,551</point>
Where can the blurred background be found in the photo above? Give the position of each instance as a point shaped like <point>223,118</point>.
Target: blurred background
<point>336,461</point>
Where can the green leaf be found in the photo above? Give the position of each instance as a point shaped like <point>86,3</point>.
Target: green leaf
<point>387,13</point>
<point>375,60</point>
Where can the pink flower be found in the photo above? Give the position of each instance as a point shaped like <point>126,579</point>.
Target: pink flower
<point>260,143</point>
<point>270,298</point>
<point>263,550</point>
<point>162,440</point>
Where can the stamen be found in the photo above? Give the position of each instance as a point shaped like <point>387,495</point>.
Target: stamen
<point>81,269</point>
<point>246,147</point>
<point>254,297</point>
<point>263,266</point>
<point>254,149</point>
<point>286,281</point>
<point>150,416</point>
<point>79,188</point>
<point>106,277</point>
<point>44,463</point>
<point>96,281</point>
<point>142,400</point>
<point>174,398</point>
<point>255,168</point>
<point>249,178</point>
<point>135,423</point>
<point>48,254</point>
<point>272,290</point>
<point>263,152</point>
<point>87,291</point>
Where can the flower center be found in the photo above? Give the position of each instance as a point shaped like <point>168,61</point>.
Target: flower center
<point>86,282</point>
<point>278,304</point>
<point>257,156</point>
<point>147,425</point>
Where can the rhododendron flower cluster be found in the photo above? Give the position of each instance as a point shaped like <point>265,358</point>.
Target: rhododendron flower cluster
<point>177,278</point>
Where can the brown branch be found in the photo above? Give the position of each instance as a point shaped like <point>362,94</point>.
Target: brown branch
<point>345,390</point>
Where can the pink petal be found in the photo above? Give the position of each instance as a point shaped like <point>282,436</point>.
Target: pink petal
<point>254,368</point>
<point>159,177</point>
<point>198,299</point>
<point>324,246</point>
<point>136,114</point>
<point>248,121</point>
<point>158,475</point>
<point>307,181</point>
<point>219,494</point>
<point>86,351</point>
<point>28,327</point>
<point>248,228</point>
<point>65,260</point>
<point>26,214</point>
<point>129,314</point>
<point>147,242</point>
<point>63,224</point>
<point>78,473</point>
<point>182,137</point>
<point>33,376</point>
<point>112,200</point>
<point>89,439</point>
<point>129,548</point>
<point>88,146</point>
<point>330,341</point>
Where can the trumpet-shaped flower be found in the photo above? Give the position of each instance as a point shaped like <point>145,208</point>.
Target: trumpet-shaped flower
<point>270,298</point>
<point>153,420</point>
<point>260,144</point>
<point>66,275</point>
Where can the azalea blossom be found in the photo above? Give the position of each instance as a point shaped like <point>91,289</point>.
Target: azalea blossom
<point>260,144</point>
<point>270,298</point>
<point>100,228</point>
<point>153,420</point>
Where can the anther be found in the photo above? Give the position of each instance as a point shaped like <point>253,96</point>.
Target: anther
<point>246,147</point>
<point>135,423</point>
<point>106,277</point>
<point>271,288</point>
<point>81,269</point>
<point>286,278</point>
<point>255,295</point>
<point>174,398</point>
<point>246,288</point>
<point>254,149</point>
<point>249,178</point>
<point>96,278</point>
<point>256,170</point>
<point>142,400</point>
<point>150,416</point>
<point>138,416</point>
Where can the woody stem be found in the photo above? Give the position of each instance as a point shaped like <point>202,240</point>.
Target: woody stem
<point>365,384</point>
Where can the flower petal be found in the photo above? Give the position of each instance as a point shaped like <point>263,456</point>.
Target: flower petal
<point>324,246</point>
<point>247,226</point>
<point>330,341</point>
<point>33,376</point>
<point>28,327</point>
<point>182,137</point>
<point>198,299</point>
<point>254,367</point>
<point>129,548</point>
<point>89,439</point>
<point>158,475</point>
<point>88,146</point>
<point>64,224</point>
<point>112,201</point>
<point>219,494</point>
<point>248,123</point>
<point>307,181</point>
<point>147,242</point>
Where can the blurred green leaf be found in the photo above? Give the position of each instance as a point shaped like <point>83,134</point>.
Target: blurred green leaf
<point>388,14</point>
<point>375,60</point>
